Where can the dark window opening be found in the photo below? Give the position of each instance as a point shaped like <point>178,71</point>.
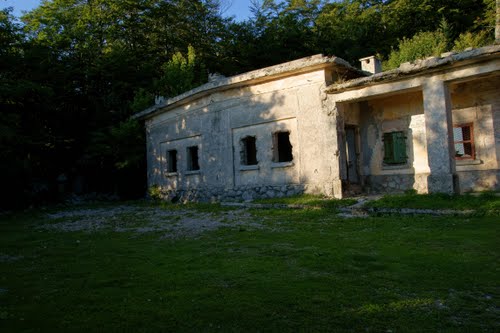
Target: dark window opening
<point>395,148</point>
<point>249,151</point>
<point>192,159</point>
<point>463,141</point>
<point>172,161</point>
<point>282,147</point>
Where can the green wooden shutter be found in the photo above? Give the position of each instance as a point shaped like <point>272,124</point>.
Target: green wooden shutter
<point>388,148</point>
<point>399,147</point>
<point>394,148</point>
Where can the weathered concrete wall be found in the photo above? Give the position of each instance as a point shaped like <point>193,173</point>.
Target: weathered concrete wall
<point>414,99</point>
<point>478,102</point>
<point>216,124</point>
<point>402,112</point>
<point>424,99</point>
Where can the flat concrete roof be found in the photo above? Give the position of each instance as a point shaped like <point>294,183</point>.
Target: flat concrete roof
<point>275,72</point>
<point>418,67</point>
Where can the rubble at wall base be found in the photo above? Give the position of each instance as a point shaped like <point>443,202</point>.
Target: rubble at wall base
<point>396,183</point>
<point>241,193</point>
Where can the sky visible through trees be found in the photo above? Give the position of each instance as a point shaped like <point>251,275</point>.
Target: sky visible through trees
<point>240,9</point>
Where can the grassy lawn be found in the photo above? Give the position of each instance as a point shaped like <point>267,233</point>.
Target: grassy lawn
<point>487,202</point>
<point>140,267</point>
<point>308,200</point>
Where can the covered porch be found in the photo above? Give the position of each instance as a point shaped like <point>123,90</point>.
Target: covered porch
<point>430,127</point>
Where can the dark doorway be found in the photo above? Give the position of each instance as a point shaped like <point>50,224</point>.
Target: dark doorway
<point>352,154</point>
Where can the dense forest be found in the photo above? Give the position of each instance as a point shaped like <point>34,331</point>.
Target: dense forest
<point>72,72</point>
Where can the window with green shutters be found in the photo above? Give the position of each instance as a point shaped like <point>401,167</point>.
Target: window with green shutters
<point>395,148</point>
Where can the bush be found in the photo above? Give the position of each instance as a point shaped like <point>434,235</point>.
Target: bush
<point>474,40</point>
<point>154,192</point>
<point>423,44</point>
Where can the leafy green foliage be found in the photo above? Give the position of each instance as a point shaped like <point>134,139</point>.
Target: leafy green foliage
<point>353,29</point>
<point>474,40</point>
<point>142,100</point>
<point>73,74</point>
<point>180,74</point>
<point>120,150</point>
<point>423,44</point>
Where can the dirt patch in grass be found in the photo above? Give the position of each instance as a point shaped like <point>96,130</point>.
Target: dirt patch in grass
<point>138,219</point>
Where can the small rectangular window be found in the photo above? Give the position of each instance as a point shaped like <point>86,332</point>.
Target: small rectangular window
<point>172,160</point>
<point>282,148</point>
<point>249,151</point>
<point>192,159</point>
<point>463,141</point>
<point>395,148</point>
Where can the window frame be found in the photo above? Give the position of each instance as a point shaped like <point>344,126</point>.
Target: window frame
<point>277,156</point>
<point>471,141</point>
<point>246,153</point>
<point>172,158</point>
<point>193,164</point>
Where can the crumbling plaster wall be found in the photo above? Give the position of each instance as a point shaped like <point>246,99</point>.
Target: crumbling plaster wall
<point>216,123</point>
<point>478,102</point>
<point>401,112</point>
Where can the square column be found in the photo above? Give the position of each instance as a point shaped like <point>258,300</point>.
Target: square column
<point>336,114</point>
<point>439,136</point>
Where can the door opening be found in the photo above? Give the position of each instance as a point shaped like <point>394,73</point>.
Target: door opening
<point>352,153</point>
<point>352,179</point>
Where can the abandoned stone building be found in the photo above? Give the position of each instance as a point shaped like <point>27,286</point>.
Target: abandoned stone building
<point>319,125</point>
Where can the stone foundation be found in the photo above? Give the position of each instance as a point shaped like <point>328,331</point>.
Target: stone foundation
<point>469,181</point>
<point>442,183</point>
<point>396,183</point>
<point>241,193</point>
<point>479,180</point>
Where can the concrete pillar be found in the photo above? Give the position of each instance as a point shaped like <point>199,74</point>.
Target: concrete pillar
<point>337,114</point>
<point>439,136</point>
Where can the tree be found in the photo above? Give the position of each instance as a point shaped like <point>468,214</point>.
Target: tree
<point>180,74</point>
<point>279,31</point>
<point>94,55</point>
<point>353,29</point>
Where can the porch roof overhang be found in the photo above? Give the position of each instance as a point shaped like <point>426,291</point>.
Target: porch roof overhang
<point>412,76</point>
<point>271,73</point>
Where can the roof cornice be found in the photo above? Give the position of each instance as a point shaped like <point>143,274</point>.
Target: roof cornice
<point>418,67</point>
<point>271,73</point>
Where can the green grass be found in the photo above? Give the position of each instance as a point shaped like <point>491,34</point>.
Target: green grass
<point>303,270</point>
<point>308,200</point>
<point>487,201</point>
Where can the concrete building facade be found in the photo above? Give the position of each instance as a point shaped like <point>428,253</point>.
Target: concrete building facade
<point>318,125</point>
